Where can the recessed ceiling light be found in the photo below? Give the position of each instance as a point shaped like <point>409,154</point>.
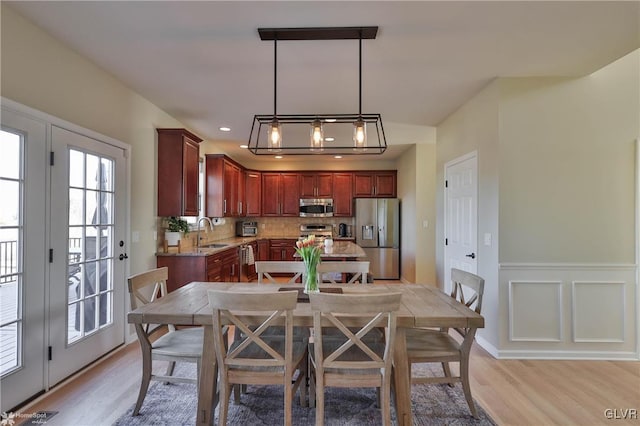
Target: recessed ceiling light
<point>278,156</point>
<point>330,120</point>
<point>225,129</point>
<point>338,156</point>
<point>329,139</point>
<point>244,146</point>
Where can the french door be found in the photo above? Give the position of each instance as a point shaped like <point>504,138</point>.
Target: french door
<point>88,204</point>
<point>63,212</point>
<point>23,180</point>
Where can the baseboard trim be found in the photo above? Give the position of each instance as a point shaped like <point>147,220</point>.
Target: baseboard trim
<point>484,344</point>
<point>569,355</point>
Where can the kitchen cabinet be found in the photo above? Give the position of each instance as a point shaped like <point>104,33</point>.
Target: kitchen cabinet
<point>343,194</point>
<point>224,187</point>
<point>178,162</point>
<point>375,184</point>
<point>253,193</point>
<point>263,250</point>
<point>281,194</point>
<point>230,265</point>
<point>184,269</point>
<point>251,269</point>
<point>316,185</point>
<point>282,249</point>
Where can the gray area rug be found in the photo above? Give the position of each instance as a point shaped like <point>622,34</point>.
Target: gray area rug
<point>175,404</point>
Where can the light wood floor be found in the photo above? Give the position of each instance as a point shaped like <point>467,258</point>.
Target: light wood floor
<point>513,392</point>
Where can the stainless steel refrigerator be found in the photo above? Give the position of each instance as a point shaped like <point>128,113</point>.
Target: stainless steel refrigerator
<point>378,233</point>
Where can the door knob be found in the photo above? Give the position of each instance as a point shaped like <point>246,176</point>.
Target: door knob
<point>472,255</point>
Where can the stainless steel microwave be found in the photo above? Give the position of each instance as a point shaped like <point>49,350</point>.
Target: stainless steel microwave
<point>316,207</point>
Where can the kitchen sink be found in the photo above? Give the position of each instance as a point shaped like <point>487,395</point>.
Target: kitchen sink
<point>215,245</point>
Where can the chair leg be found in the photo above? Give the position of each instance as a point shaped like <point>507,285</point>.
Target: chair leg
<point>386,402</point>
<point>146,379</point>
<point>288,400</point>
<point>236,394</point>
<point>225,390</point>
<point>319,402</point>
<point>312,387</point>
<point>447,372</point>
<point>464,375</point>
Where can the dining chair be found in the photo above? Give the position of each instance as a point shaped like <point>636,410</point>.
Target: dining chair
<point>353,362</point>
<point>429,345</point>
<point>255,359</point>
<point>264,269</point>
<point>357,271</point>
<point>183,345</point>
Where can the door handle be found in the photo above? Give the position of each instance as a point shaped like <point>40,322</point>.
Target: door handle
<point>123,256</point>
<point>472,255</point>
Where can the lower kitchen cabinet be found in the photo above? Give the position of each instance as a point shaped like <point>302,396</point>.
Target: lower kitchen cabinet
<point>219,267</point>
<point>282,249</point>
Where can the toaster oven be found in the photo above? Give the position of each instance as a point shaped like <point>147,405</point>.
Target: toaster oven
<point>246,229</point>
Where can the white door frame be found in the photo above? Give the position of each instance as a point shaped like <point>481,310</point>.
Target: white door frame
<point>52,120</point>
<point>447,249</point>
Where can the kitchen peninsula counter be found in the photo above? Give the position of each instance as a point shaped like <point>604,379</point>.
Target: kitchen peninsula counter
<point>341,250</point>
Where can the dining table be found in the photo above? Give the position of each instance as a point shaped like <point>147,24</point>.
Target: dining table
<point>421,306</point>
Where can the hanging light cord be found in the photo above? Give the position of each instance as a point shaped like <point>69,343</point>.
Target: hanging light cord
<point>360,74</point>
<point>275,76</point>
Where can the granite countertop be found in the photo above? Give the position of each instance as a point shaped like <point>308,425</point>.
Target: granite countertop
<point>341,249</point>
<point>211,249</point>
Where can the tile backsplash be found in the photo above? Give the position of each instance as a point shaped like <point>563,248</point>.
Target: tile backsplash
<point>268,227</point>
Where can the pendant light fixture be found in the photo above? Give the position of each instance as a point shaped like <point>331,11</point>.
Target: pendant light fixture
<point>350,134</point>
<point>359,126</point>
<point>317,136</point>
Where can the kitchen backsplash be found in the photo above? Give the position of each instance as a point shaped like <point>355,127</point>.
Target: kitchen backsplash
<point>268,227</point>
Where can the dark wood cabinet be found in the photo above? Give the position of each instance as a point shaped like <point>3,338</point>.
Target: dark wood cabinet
<point>178,158</point>
<point>224,187</point>
<point>377,184</point>
<point>316,185</point>
<point>282,249</point>
<point>253,193</point>
<point>263,250</point>
<point>343,194</point>
<point>230,265</point>
<point>281,194</point>
<point>251,269</point>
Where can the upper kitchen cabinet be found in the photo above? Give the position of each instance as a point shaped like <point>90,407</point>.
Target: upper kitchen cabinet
<point>281,194</point>
<point>316,185</point>
<point>381,184</point>
<point>224,187</point>
<point>253,193</point>
<point>178,157</point>
<point>343,194</point>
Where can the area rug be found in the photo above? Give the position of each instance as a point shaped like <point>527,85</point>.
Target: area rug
<point>175,404</point>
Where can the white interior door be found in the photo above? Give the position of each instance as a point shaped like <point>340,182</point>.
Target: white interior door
<point>87,274</point>
<point>22,257</point>
<point>461,216</point>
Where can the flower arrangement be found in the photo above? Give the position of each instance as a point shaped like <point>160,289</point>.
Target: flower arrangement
<point>310,252</point>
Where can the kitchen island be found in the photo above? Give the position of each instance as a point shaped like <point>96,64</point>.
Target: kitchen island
<point>341,250</point>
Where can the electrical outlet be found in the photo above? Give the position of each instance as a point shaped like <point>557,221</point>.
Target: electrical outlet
<point>487,239</point>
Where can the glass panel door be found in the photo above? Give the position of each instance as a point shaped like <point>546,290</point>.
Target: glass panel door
<point>87,274</point>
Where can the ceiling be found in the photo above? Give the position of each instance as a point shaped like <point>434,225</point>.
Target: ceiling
<point>204,63</point>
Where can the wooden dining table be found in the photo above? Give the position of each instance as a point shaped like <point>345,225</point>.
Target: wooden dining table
<point>421,306</point>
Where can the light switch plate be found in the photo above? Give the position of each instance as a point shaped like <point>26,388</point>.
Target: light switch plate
<point>487,239</point>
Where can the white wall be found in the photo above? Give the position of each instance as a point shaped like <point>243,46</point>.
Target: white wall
<point>474,127</point>
<point>41,73</point>
<point>557,192</point>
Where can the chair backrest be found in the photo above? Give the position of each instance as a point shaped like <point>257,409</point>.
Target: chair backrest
<point>381,308</point>
<point>146,287</point>
<point>467,288</point>
<point>358,269</point>
<point>264,269</point>
<point>227,308</point>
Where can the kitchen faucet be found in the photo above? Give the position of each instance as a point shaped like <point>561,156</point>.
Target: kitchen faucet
<point>198,224</point>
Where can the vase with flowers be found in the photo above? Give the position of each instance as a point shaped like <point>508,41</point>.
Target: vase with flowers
<point>310,252</point>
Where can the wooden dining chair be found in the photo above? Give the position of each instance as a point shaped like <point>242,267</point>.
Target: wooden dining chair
<point>256,359</point>
<point>264,269</point>
<point>353,362</point>
<point>184,345</point>
<point>429,345</point>
<point>357,271</point>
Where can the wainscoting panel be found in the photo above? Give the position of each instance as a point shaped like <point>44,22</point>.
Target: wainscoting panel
<point>535,311</point>
<point>568,311</point>
<point>598,311</point>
